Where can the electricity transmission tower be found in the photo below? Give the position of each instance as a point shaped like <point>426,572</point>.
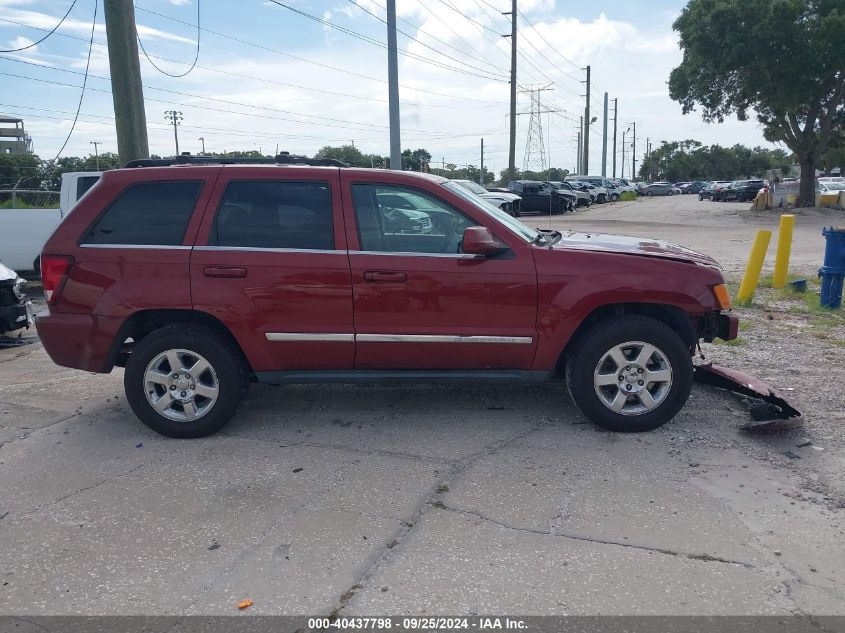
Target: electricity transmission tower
<point>535,147</point>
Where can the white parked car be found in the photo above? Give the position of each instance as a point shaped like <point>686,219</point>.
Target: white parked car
<point>508,202</point>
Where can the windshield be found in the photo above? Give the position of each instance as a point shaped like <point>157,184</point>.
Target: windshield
<point>472,186</point>
<point>833,186</point>
<point>527,233</point>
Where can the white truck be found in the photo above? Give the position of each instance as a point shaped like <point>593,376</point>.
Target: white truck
<point>23,231</point>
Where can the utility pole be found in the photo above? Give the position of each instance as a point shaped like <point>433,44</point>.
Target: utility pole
<point>580,146</point>
<point>634,155</point>
<point>175,117</point>
<point>127,91</point>
<point>586,142</point>
<point>615,116</point>
<point>481,172</point>
<point>512,147</point>
<point>393,88</point>
<point>97,153</point>
<point>202,138</point>
<point>604,141</point>
<point>623,151</point>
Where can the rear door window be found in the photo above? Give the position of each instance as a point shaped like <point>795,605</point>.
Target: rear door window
<point>147,214</point>
<point>275,215</point>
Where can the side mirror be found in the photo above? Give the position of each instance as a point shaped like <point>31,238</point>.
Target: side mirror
<point>478,240</point>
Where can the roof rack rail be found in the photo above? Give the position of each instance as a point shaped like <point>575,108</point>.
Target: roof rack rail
<point>283,158</point>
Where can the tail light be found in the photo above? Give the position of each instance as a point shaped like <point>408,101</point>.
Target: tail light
<point>54,272</point>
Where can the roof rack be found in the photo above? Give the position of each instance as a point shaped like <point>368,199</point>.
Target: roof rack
<point>283,158</point>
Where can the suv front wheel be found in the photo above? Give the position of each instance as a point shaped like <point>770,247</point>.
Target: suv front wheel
<point>630,373</point>
<point>185,380</point>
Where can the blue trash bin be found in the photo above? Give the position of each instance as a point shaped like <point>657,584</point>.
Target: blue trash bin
<point>832,271</point>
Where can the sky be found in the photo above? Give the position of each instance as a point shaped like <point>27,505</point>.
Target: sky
<point>270,75</point>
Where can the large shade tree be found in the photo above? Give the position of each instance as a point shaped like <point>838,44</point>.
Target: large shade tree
<point>781,59</point>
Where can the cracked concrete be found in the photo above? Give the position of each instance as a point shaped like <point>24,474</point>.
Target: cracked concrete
<point>415,500</point>
<point>409,500</point>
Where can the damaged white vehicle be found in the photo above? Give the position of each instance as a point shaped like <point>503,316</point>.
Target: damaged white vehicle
<point>15,309</point>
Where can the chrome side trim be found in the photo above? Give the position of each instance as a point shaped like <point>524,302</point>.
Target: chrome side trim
<point>158,247</point>
<point>402,254</point>
<point>441,338</point>
<point>397,338</point>
<point>309,336</point>
<point>257,249</point>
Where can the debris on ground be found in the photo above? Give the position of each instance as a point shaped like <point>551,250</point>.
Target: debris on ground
<point>243,604</point>
<point>792,455</point>
<point>770,409</point>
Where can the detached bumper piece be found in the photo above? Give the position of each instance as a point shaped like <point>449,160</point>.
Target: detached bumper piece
<point>15,308</point>
<point>772,411</point>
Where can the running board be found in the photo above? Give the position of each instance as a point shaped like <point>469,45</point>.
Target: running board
<point>359,376</point>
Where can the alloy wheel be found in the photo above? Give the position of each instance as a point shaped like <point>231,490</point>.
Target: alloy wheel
<point>633,378</point>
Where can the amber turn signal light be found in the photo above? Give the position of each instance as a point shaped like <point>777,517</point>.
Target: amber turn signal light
<point>722,296</point>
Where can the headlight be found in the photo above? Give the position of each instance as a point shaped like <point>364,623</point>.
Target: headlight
<point>18,288</point>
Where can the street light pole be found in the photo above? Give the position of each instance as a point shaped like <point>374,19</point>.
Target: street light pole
<point>202,138</point>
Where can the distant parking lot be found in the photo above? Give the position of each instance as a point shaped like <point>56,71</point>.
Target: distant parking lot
<point>428,499</point>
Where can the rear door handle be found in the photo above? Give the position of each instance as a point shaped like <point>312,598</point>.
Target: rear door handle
<point>224,271</point>
<point>381,277</point>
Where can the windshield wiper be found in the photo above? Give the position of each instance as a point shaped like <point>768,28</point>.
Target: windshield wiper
<point>541,237</point>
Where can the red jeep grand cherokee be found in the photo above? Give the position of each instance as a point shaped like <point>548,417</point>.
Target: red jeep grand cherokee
<point>201,278</point>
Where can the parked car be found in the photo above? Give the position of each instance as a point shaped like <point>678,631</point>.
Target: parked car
<point>15,308</point>
<point>693,187</point>
<point>203,278</point>
<point>660,189</point>
<point>582,198</point>
<point>538,197</point>
<point>741,190</point>
<point>584,188</point>
<point>26,229</point>
<point>641,187</point>
<point>713,190</point>
<point>680,185</point>
<point>624,185</point>
<point>830,186</point>
<point>508,202</point>
<point>607,189</point>
<point>599,194</point>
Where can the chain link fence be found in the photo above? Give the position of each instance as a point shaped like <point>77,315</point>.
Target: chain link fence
<point>28,199</point>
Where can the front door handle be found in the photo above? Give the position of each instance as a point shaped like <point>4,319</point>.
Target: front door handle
<point>224,271</point>
<point>383,277</point>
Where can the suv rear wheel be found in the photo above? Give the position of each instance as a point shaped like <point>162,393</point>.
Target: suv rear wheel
<point>630,373</point>
<point>185,381</point>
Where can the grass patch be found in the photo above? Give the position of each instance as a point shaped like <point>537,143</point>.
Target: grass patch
<point>745,325</point>
<point>737,342</point>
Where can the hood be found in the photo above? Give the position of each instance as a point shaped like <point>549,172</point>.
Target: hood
<point>627,245</point>
<point>499,195</point>
<point>7,274</point>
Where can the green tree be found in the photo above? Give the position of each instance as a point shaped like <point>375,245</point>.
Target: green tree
<point>417,160</point>
<point>782,59</point>
<point>21,170</point>
<point>349,154</point>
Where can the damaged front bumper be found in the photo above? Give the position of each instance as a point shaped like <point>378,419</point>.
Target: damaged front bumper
<point>15,309</point>
<point>772,411</point>
<point>723,325</point>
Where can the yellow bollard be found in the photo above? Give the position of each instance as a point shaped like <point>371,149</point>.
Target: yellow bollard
<point>755,265</point>
<point>787,223</point>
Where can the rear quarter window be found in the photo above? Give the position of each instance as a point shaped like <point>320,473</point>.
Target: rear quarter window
<point>149,213</point>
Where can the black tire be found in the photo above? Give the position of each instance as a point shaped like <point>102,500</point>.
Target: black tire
<point>226,361</point>
<point>700,197</point>
<point>649,194</point>
<point>603,336</point>
<point>614,197</point>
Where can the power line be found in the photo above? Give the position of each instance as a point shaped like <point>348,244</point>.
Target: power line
<point>379,43</point>
<point>53,30</point>
<point>315,63</point>
<point>204,98</point>
<point>196,55</point>
<point>84,84</point>
<point>281,83</point>
<point>412,38</point>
